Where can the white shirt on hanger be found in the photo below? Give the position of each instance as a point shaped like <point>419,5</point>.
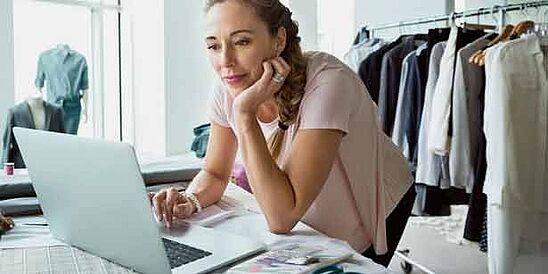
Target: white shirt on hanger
<point>438,131</point>
<point>516,116</point>
<point>428,167</point>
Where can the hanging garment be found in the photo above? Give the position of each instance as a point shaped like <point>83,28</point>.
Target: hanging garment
<point>370,69</point>
<point>431,173</point>
<point>428,165</point>
<point>516,130</point>
<point>467,158</point>
<point>398,133</point>
<point>414,103</point>
<point>415,87</point>
<point>469,83</point>
<point>517,240</point>
<point>390,79</point>
<point>439,128</point>
<point>363,34</point>
<point>359,52</point>
<point>21,116</point>
<point>410,99</point>
<point>435,36</point>
<point>66,74</point>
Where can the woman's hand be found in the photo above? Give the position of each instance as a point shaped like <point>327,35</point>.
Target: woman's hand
<point>249,100</point>
<point>169,204</point>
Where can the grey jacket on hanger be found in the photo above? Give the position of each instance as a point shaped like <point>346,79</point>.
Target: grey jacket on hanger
<point>20,116</point>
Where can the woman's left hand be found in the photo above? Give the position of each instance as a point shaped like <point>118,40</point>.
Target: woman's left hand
<point>249,100</point>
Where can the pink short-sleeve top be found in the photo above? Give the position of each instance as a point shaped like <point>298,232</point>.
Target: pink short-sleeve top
<point>369,175</point>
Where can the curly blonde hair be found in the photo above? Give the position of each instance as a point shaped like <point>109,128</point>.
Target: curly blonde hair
<point>276,15</point>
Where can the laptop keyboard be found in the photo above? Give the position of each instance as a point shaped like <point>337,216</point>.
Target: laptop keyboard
<point>180,254</point>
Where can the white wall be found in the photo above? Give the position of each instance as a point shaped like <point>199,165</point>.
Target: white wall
<point>509,18</point>
<point>474,4</point>
<point>6,60</point>
<point>336,29</point>
<point>373,12</point>
<point>306,13</point>
<point>189,78</point>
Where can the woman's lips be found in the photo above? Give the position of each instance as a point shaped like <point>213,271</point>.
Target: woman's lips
<point>233,79</point>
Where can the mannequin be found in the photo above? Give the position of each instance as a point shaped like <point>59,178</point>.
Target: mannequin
<point>63,46</point>
<point>36,104</point>
<point>65,71</point>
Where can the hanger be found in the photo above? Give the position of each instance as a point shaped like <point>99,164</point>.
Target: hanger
<point>452,20</point>
<point>471,26</point>
<point>509,32</point>
<point>478,57</point>
<point>477,26</point>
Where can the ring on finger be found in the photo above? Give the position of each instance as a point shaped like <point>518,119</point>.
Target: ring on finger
<point>278,78</point>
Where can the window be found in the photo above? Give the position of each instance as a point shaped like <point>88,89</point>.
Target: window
<point>91,29</point>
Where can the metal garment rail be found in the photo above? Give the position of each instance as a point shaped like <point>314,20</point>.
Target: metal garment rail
<point>408,263</point>
<point>453,16</point>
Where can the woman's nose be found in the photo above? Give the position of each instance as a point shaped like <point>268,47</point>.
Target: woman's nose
<point>227,57</point>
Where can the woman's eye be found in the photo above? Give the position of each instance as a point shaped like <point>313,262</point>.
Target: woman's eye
<point>213,47</point>
<point>242,42</point>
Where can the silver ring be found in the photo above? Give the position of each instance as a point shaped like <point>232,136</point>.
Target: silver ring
<point>278,78</point>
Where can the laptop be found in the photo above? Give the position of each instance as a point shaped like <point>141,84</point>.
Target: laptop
<point>92,194</point>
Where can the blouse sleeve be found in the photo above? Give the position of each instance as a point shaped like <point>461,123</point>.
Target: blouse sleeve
<point>330,101</point>
<point>218,108</point>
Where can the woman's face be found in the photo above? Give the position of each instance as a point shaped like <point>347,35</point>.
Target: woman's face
<point>238,41</point>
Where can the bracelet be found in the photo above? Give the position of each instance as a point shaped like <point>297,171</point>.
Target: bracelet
<point>194,200</point>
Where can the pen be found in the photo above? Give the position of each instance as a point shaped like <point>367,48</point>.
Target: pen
<point>35,224</point>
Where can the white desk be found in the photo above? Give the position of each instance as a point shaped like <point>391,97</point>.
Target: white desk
<point>250,224</point>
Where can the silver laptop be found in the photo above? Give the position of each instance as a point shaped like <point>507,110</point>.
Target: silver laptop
<point>94,198</point>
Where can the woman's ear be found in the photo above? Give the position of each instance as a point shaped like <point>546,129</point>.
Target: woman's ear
<point>281,39</point>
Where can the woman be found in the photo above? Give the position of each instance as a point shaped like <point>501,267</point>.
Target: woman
<point>306,130</point>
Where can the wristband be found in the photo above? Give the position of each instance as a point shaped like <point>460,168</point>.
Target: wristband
<point>194,200</point>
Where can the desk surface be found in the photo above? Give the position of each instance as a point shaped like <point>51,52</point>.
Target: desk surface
<point>252,224</point>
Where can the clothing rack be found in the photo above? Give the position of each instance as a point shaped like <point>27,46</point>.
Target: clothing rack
<point>408,263</point>
<point>501,10</point>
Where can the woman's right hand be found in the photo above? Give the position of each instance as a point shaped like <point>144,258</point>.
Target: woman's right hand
<point>168,205</point>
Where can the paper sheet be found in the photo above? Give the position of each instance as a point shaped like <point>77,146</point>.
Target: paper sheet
<point>226,208</point>
<point>26,235</point>
<point>211,215</point>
